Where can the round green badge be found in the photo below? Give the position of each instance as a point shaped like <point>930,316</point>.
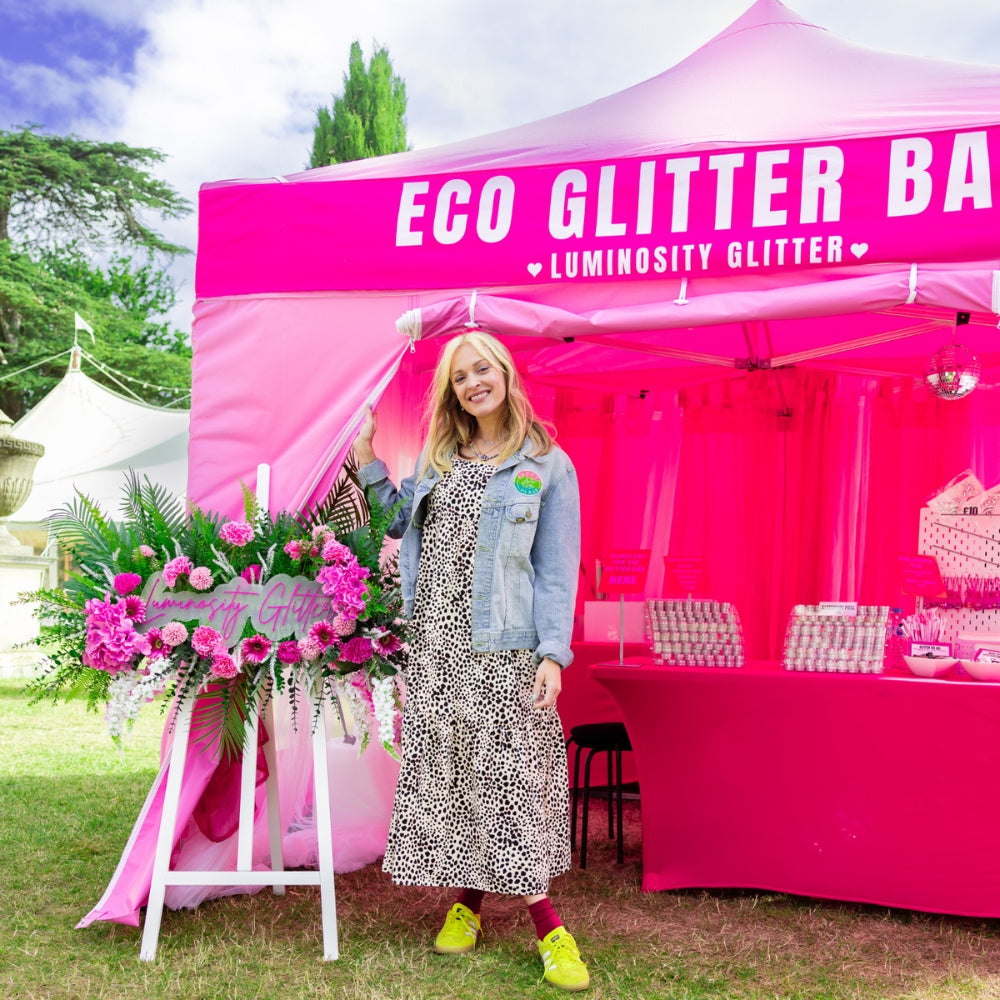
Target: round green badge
<point>528,482</point>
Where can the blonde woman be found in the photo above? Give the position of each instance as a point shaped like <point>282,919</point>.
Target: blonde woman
<point>490,526</point>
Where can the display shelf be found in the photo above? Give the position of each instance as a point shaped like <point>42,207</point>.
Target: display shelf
<point>696,633</point>
<point>817,641</point>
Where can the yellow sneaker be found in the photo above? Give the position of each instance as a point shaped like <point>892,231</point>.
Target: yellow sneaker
<point>460,933</point>
<point>561,958</point>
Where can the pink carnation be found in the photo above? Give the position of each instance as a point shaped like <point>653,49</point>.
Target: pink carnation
<point>201,578</point>
<point>238,533</point>
<point>255,648</point>
<point>252,573</point>
<point>356,650</point>
<point>223,665</point>
<point>206,640</point>
<point>176,568</point>
<point>112,643</point>
<point>174,633</point>
<point>336,553</point>
<point>125,583</point>
<point>145,550</point>
<point>288,652</point>
<point>294,549</point>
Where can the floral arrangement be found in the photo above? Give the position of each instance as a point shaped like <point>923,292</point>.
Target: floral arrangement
<point>172,599</point>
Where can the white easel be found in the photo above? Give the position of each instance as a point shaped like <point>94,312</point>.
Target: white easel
<point>244,874</point>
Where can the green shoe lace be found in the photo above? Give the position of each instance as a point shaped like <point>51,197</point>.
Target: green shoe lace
<point>460,933</point>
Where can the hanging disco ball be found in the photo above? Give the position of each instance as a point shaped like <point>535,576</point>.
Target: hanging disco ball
<point>953,372</point>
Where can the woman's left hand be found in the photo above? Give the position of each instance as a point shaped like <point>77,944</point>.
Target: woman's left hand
<point>548,683</point>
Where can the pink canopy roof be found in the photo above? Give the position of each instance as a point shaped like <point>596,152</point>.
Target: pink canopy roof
<point>781,196</point>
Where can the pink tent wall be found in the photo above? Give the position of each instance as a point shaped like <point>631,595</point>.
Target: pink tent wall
<point>722,284</point>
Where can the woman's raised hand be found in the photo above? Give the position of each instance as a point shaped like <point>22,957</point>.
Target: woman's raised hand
<point>364,454</point>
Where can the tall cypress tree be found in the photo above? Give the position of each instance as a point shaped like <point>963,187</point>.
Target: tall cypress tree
<point>369,119</point>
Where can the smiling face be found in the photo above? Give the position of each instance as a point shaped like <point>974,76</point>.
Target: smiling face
<point>479,385</point>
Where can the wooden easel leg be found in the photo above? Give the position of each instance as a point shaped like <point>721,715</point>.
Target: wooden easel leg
<point>165,836</point>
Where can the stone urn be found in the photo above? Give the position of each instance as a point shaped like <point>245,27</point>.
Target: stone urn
<point>17,468</point>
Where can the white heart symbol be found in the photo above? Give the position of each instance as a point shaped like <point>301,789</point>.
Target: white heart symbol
<point>859,249</point>
<point>534,270</point>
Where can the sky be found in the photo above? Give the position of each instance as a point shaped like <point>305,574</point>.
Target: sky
<point>229,88</point>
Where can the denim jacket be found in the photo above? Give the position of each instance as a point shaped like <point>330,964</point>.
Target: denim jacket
<point>527,552</point>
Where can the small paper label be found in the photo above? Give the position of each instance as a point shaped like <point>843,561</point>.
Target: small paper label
<point>987,655</point>
<point>849,609</point>
<point>932,650</point>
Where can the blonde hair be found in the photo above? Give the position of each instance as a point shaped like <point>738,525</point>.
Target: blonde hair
<point>450,426</point>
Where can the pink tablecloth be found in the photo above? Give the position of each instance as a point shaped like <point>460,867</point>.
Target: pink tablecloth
<point>875,789</point>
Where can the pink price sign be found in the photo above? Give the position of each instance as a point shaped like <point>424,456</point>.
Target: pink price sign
<point>686,574</point>
<point>625,571</point>
<point>921,576</point>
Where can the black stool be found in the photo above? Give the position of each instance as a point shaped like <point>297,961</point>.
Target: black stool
<point>598,737</point>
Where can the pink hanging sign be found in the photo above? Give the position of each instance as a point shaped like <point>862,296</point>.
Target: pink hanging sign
<point>921,576</point>
<point>624,572</point>
<point>708,212</point>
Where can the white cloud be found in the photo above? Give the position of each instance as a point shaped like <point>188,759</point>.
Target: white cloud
<point>227,88</point>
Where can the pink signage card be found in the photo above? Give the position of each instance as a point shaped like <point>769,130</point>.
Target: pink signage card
<point>921,576</point>
<point>624,571</point>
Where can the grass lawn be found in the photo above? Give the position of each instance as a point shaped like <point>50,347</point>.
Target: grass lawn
<point>68,800</point>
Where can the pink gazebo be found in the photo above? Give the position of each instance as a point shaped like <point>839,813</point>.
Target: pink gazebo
<point>723,284</point>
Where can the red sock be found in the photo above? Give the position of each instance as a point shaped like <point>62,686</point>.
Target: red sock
<point>545,917</point>
<point>472,898</point>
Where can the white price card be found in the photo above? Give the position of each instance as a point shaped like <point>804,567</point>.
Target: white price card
<point>849,609</point>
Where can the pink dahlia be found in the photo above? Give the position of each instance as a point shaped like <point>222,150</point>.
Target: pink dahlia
<point>323,634</point>
<point>223,665</point>
<point>288,651</point>
<point>174,633</point>
<point>206,640</point>
<point>309,649</point>
<point>125,583</point>
<point>201,578</point>
<point>255,648</point>
<point>176,568</point>
<point>356,650</point>
<point>344,625</point>
<point>238,533</point>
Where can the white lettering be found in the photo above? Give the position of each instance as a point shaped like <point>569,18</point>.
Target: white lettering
<point>566,207</point>
<point>969,173</point>
<point>822,168</point>
<point>682,168</point>
<point>909,181</point>
<point>450,225</point>
<point>725,164</point>
<point>644,209</point>
<point>496,209</point>
<point>605,205</point>
<point>408,211</point>
<point>766,186</point>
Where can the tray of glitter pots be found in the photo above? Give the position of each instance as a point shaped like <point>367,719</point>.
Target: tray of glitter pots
<point>695,633</point>
<point>823,638</point>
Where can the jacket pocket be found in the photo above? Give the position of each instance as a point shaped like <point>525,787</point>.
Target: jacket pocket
<point>520,519</point>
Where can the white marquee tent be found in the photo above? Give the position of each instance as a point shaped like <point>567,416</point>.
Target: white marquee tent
<point>92,437</point>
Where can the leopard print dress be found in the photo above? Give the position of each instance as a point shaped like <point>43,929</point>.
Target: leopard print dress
<point>482,800</point>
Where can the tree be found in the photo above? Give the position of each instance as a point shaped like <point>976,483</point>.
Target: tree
<point>63,202</point>
<point>369,119</point>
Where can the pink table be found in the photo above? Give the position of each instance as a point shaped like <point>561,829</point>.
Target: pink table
<point>874,789</point>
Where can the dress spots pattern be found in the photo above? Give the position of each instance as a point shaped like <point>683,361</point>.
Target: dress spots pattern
<point>482,800</point>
